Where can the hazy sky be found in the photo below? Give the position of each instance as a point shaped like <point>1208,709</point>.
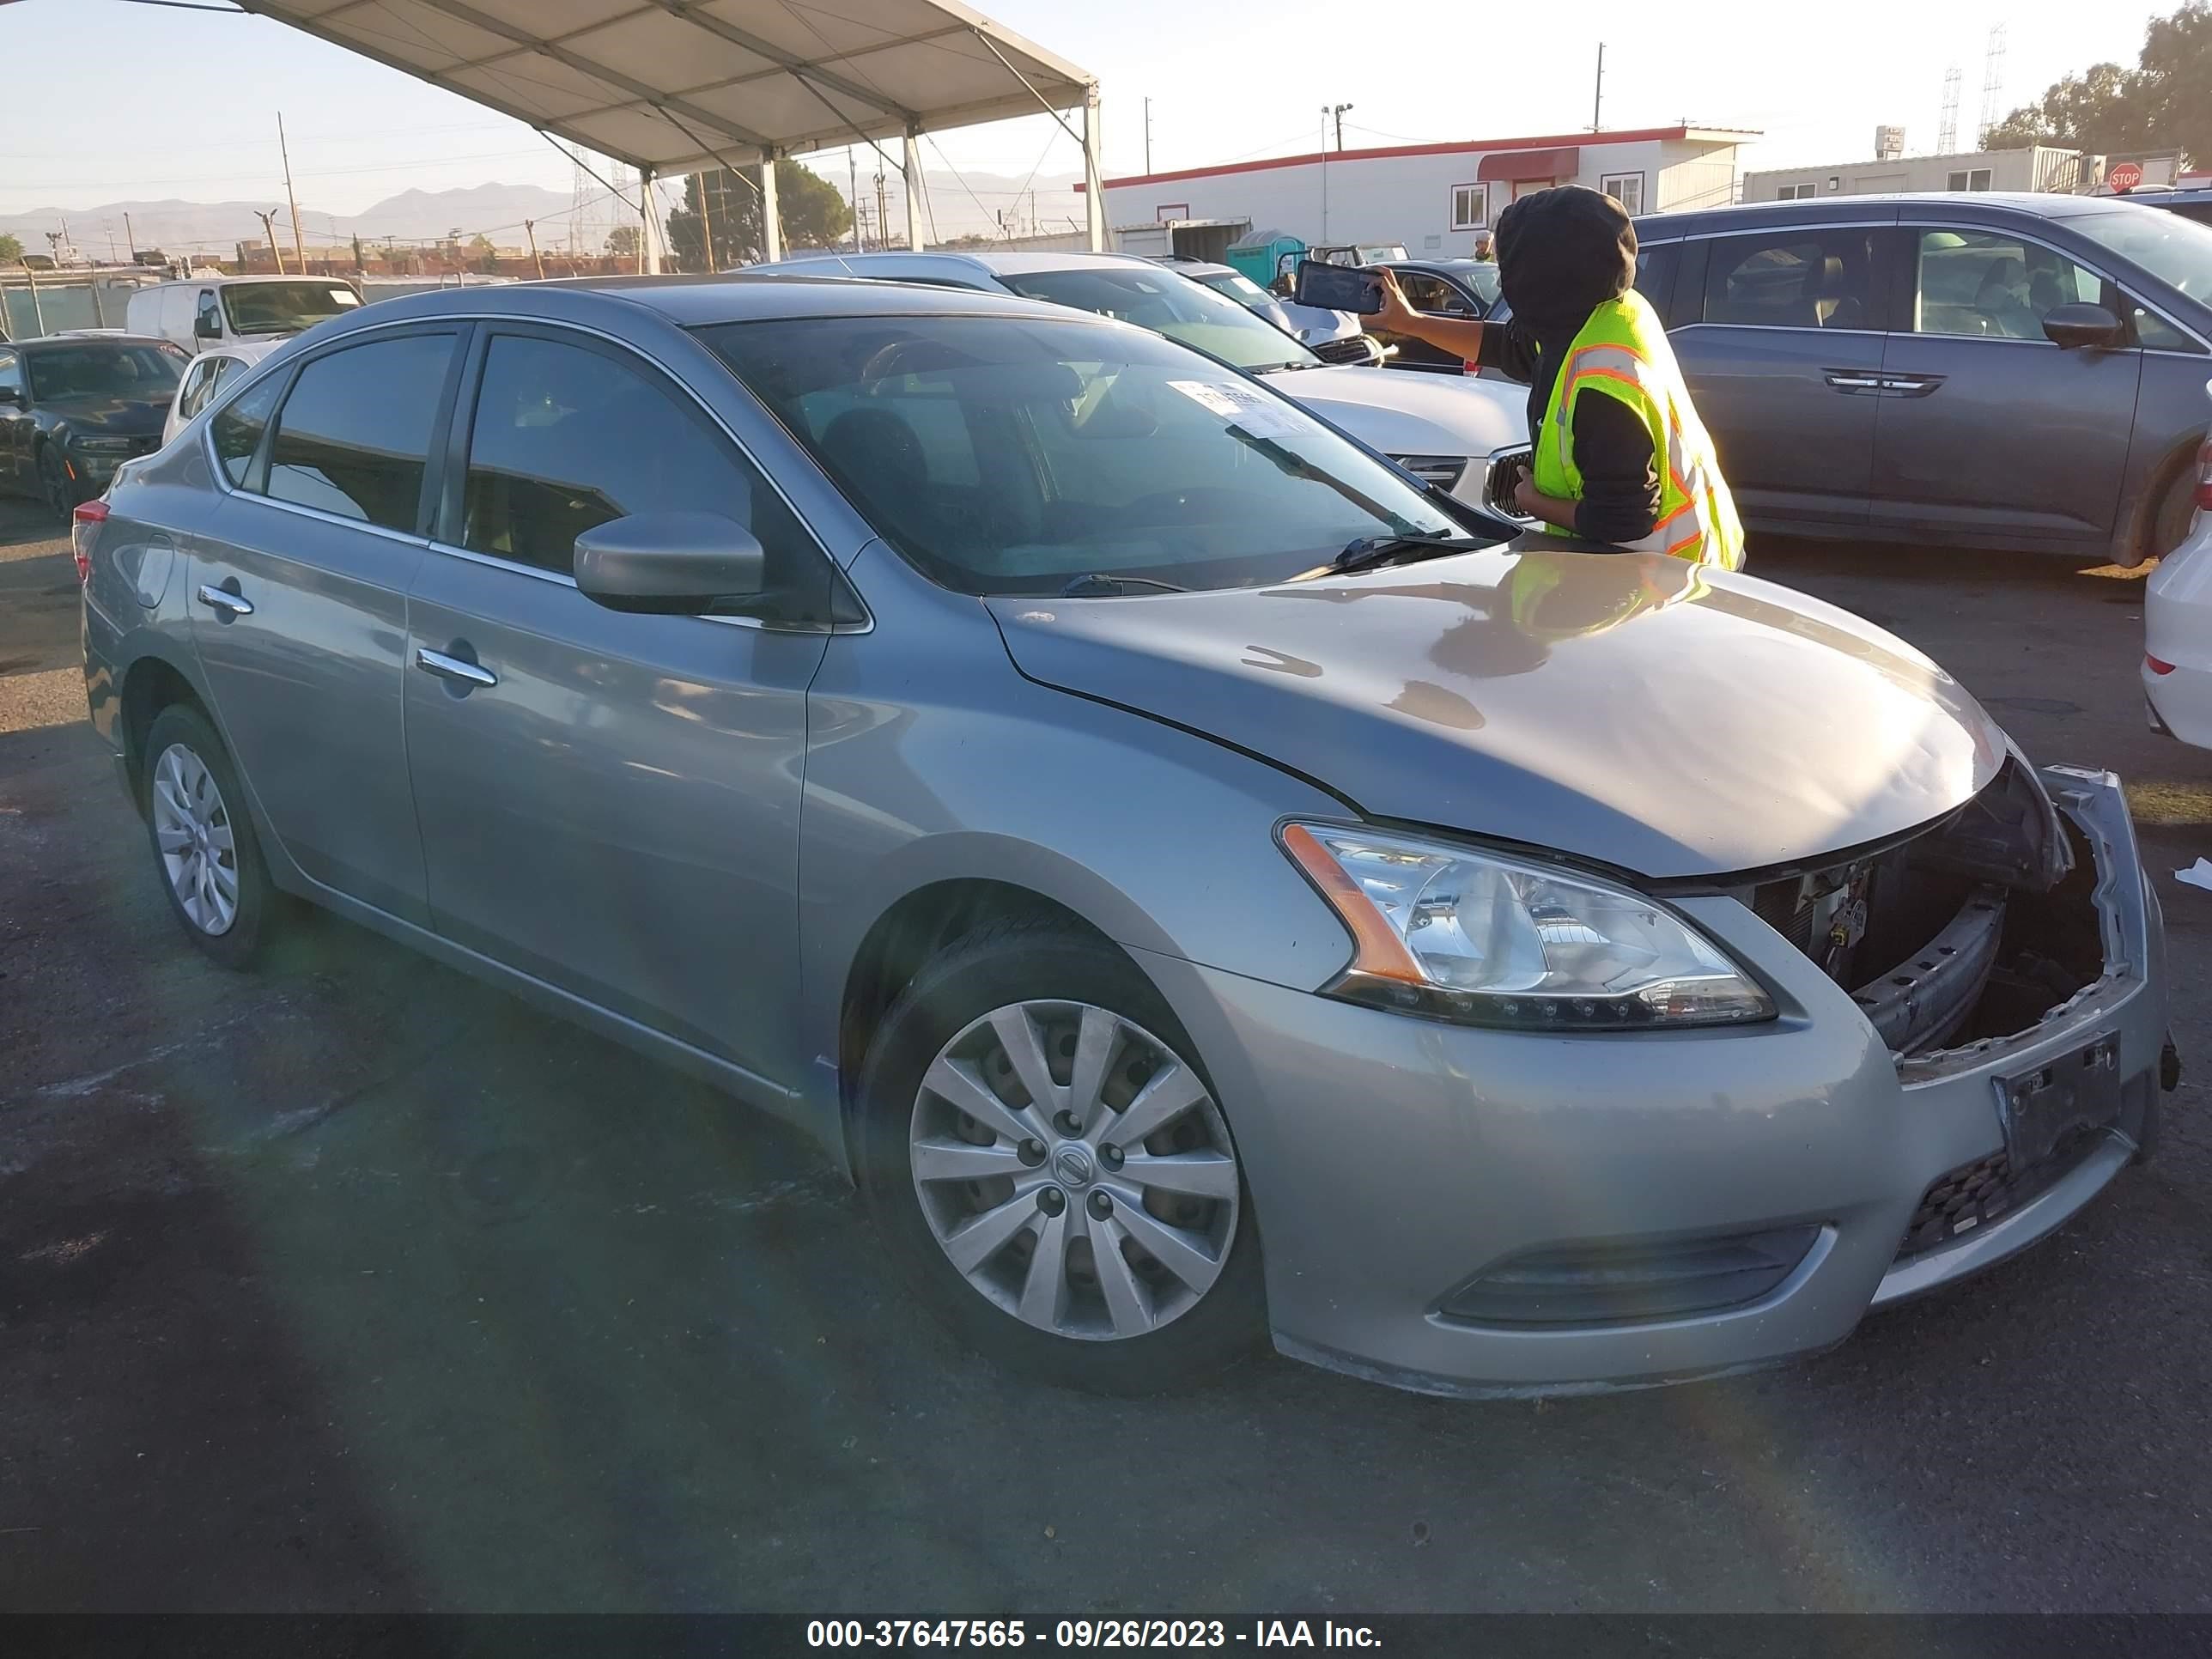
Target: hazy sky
<point>113,100</point>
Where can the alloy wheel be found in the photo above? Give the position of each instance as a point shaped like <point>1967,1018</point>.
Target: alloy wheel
<point>1075,1170</point>
<point>54,484</point>
<point>193,828</point>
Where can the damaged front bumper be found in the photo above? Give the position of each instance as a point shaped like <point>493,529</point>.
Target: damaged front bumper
<point>1530,1214</point>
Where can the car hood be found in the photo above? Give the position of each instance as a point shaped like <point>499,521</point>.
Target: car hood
<point>1628,709</point>
<point>119,417</point>
<point>1405,414</point>
<point>1314,324</point>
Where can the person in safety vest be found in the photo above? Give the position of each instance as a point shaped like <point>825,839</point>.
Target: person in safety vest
<point>1620,455</point>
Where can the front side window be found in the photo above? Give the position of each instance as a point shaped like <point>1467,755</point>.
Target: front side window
<point>199,379</point>
<point>140,372</point>
<point>1089,450</point>
<point>1171,305</point>
<point>354,436</point>
<point>1626,188</point>
<point>1470,205</point>
<point>1992,285</point>
<point>285,307</point>
<point>1792,279</point>
<point>2175,250</point>
<point>567,438</point>
<point>11,373</point>
<point>207,318</point>
<point>238,427</point>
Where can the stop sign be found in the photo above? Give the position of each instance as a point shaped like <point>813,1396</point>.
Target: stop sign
<point>2124,175</point>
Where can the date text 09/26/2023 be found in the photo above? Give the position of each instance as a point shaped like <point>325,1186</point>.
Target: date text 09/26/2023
<point>1087,1633</point>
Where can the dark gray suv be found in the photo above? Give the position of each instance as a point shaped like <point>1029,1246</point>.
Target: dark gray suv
<point>1989,370</point>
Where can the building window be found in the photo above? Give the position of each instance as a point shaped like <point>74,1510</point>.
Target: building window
<point>1626,188</point>
<point>1795,193</point>
<point>1470,207</point>
<point>1971,179</point>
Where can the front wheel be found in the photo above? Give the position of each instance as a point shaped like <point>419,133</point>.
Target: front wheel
<point>1051,1170</point>
<point>54,484</point>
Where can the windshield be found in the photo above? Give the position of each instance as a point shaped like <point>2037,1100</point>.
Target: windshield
<point>1173,306</point>
<point>1239,287</point>
<point>1008,455</point>
<point>141,372</point>
<point>284,307</point>
<point>2175,250</point>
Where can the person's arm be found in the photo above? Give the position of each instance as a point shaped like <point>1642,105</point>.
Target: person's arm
<point>1620,477</point>
<point>1457,335</point>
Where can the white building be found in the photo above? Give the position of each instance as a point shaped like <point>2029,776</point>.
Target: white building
<point>2036,167</point>
<point>1434,198</point>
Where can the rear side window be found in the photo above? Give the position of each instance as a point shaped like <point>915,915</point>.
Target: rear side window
<point>238,429</point>
<point>353,437</point>
<point>1792,279</point>
<point>567,438</point>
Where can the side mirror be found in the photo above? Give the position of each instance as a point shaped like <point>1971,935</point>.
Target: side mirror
<point>670,564</point>
<point>205,327</point>
<point>2081,324</point>
<point>12,394</point>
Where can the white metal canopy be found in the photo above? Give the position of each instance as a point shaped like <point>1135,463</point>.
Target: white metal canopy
<point>676,86</point>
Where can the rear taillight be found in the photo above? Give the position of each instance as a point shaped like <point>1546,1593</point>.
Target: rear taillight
<point>2155,665</point>
<point>84,530</point>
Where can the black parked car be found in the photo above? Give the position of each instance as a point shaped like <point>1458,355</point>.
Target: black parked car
<point>74,407</point>
<point>2192,202</point>
<point>1442,288</point>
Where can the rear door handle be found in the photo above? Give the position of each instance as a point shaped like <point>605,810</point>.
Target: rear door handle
<point>459,669</point>
<point>230,603</point>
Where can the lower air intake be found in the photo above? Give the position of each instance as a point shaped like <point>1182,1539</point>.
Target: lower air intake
<point>1623,1282</point>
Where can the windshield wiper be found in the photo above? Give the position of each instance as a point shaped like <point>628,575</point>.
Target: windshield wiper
<point>1371,550</point>
<point>1098,586</point>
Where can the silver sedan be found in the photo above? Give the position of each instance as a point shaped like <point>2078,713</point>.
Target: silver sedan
<point>1202,884</point>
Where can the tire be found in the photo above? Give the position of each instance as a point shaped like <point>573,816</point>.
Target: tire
<point>205,853</point>
<point>1036,1297</point>
<point>2169,524</point>
<point>54,486</point>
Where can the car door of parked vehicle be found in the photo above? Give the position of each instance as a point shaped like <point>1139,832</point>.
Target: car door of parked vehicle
<point>1779,337</point>
<point>609,801</point>
<point>1433,296</point>
<point>1988,430</point>
<point>299,601</point>
<point>15,422</point>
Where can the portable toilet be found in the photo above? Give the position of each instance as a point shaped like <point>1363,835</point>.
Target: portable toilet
<point>1256,252</point>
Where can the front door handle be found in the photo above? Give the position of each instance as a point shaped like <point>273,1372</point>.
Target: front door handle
<point>459,669</point>
<point>228,601</point>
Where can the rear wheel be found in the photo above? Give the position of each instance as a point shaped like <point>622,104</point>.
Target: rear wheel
<point>202,838</point>
<point>1051,1170</point>
<point>2169,525</point>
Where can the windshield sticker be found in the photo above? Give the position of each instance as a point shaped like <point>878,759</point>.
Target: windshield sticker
<point>1253,411</point>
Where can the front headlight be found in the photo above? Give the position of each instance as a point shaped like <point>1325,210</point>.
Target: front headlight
<point>1484,939</point>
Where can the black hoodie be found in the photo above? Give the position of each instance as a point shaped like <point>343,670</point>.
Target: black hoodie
<point>1562,253</point>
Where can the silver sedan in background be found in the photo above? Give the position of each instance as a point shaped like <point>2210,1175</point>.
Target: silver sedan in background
<point>1201,884</point>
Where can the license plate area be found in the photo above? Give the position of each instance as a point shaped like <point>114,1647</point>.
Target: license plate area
<point>2077,1089</point>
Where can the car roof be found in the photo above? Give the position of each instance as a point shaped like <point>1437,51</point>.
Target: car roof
<point>701,300</point>
<point>2042,204</point>
<point>78,337</point>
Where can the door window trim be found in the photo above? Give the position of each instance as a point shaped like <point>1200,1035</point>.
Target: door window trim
<point>451,442</point>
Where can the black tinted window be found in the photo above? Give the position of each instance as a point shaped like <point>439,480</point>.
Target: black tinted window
<point>1792,279</point>
<point>566,437</point>
<point>355,434</point>
<point>238,429</point>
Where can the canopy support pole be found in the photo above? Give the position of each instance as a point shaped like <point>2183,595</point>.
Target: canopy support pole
<point>915,186</point>
<point>771,220</point>
<point>648,238</point>
<point>1094,187</point>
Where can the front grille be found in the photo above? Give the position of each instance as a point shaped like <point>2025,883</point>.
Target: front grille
<point>1357,349</point>
<point>1982,1191</point>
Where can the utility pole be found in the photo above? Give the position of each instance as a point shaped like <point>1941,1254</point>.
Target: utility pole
<point>1338,112</point>
<point>882,211</point>
<point>1597,97</point>
<point>128,240</point>
<point>852,172</point>
<point>1148,134</point>
<point>268,229</point>
<point>705,224</point>
<point>1324,173</point>
<point>529,229</point>
<point>299,252</point>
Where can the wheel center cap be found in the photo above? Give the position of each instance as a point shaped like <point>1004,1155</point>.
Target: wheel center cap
<point>1074,1165</point>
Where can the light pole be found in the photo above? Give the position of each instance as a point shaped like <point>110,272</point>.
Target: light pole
<point>1337,110</point>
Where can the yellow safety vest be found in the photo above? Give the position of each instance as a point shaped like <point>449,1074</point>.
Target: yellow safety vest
<point>1622,353</point>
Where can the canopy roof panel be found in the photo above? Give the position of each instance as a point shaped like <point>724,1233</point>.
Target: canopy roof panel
<point>677,85</point>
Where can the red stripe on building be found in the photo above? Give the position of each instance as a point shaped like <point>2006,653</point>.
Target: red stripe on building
<point>1472,147</point>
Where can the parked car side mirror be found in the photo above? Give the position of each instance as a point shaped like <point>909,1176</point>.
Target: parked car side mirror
<point>207,327</point>
<point>681,564</point>
<point>2081,324</point>
<point>11,394</point>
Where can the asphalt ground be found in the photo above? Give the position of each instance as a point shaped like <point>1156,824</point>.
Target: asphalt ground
<point>354,1284</point>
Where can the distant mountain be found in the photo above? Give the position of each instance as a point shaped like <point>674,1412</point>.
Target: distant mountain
<point>958,206</point>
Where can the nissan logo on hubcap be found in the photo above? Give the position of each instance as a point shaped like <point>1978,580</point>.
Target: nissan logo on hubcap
<point>1072,1164</point>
